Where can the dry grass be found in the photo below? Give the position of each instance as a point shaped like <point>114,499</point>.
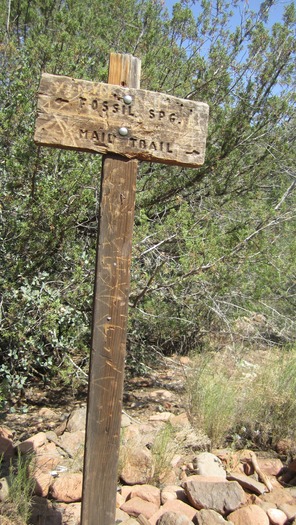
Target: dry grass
<point>250,396</point>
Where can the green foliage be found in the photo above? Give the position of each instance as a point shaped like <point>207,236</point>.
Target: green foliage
<point>210,245</point>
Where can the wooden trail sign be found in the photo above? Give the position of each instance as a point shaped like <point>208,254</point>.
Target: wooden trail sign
<point>135,123</point>
<point>68,118</point>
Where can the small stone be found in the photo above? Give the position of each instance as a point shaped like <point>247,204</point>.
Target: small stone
<point>33,443</point>
<point>209,517</point>
<point>173,518</point>
<point>289,510</point>
<point>138,468</point>
<point>120,516</point>
<point>180,420</point>
<point>161,394</point>
<point>125,421</point>
<point>207,464</point>
<point>46,458</point>
<point>173,506</point>
<point>136,506</point>
<point>73,443</point>
<point>4,488</point>
<point>43,481</point>
<point>251,514</point>
<point>248,483</point>
<point>146,492</point>
<point>172,492</point>
<point>164,416</point>
<point>270,466</point>
<point>214,493</point>
<point>48,413</point>
<point>67,487</point>
<point>77,420</point>
<point>279,497</point>
<point>276,516</point>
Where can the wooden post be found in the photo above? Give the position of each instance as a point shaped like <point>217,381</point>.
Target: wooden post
<point>114,119</point>
<point>112,281</point>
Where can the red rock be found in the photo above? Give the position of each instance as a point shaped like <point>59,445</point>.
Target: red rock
<point>125,491</point>
<point>248,483</point>
<point>47,458</point>
<point>279,497</point>
<point>138,468</point>
<point>43,481</point>
<point>171,492</point>
<point>270,466</point>
<point>292,466</point>
<point>6,443</point>
<point>67,487</point>
<point>173,506</point>
<point>249,515</point>
<point>136,506</point>
<point>6,432</point>
<point>146,492</point>
<point>168,477</point>
<point>33,443</point>
<point>73,442</point>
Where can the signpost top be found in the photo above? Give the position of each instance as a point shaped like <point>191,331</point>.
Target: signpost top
<point>105,118</point>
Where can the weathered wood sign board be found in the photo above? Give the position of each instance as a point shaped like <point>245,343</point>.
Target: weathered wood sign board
<point>135,123</point>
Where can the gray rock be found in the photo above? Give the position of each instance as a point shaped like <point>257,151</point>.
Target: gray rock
<point>4,488</point>
<point>210,517</point>
<point>248,483</point>
<point>77,420</point>
<point>173,518</point>
<point>213,493</point>
<point>207,464</point>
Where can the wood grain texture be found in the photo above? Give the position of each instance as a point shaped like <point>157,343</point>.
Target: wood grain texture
<point>106,376</point>
<point>87,116</point>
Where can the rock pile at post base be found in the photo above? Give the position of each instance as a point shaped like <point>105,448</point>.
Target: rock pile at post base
<point>197,486</point>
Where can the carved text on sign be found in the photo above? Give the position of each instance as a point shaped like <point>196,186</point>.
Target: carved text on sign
<point>136,123</point>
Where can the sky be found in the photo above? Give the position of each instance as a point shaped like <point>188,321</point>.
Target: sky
<point>275,12</point>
